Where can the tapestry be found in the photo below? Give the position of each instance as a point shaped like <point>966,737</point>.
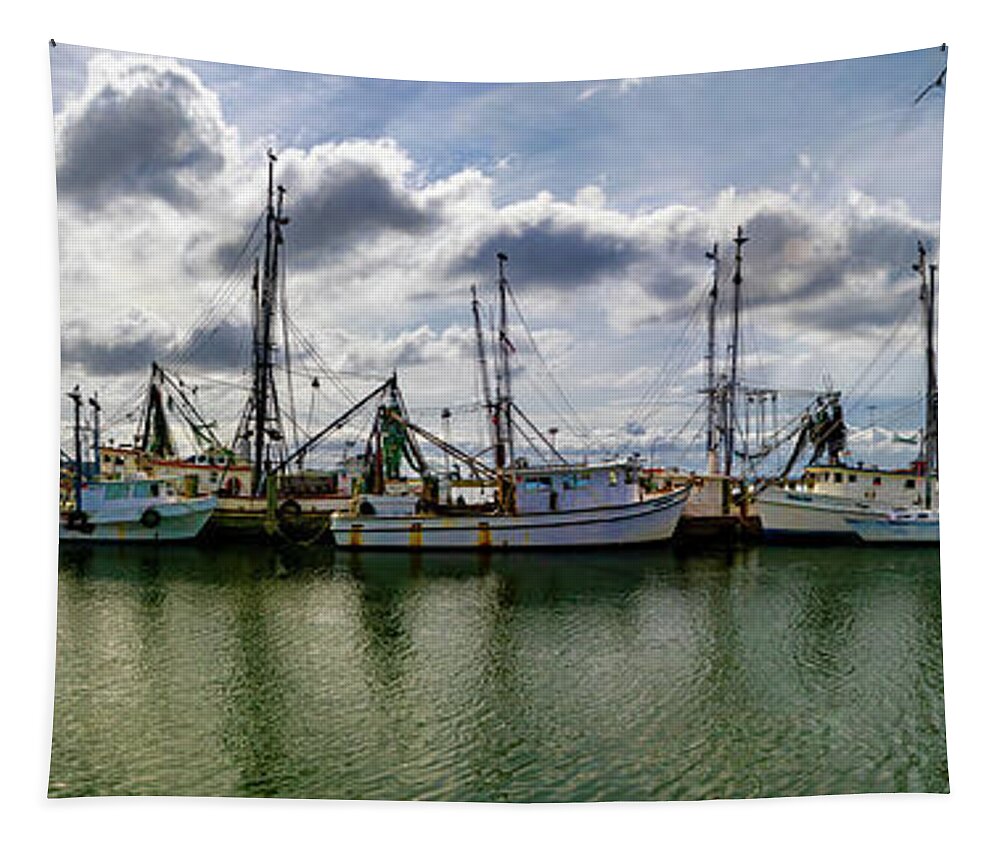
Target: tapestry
<point>532,442</point>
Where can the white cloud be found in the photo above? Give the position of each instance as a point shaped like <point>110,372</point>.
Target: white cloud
<point>381,257</point>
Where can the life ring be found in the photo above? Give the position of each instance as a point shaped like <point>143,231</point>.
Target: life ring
<point>150,518</point>
<point>289,511</point>
<point>76,519</point>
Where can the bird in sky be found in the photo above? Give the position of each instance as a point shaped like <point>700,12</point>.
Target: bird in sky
<point>938,83</point>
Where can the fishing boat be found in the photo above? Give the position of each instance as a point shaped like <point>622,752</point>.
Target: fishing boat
<point>899,527</point>
<point>545,505</point>
<point>839,500</point>
<point>139,509</point>
<point>831,499</point>
<point>261,485</point>
<point>565,506</point>
<point>718,508</point>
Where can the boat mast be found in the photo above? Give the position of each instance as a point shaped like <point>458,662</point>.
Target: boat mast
<point>77,449</point>
<point>928,286</point>
<point>266,291</point>
<point>731,412</point>
<point>97,435</point>
<point>491,412</point>
<point>712,447</point>
<point>503,412</point>
<point>504,396</point>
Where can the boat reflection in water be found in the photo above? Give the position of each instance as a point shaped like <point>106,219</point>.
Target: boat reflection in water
<point>486,676</point>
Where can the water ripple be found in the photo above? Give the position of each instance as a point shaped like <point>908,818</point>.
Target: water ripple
<point>511,678</point>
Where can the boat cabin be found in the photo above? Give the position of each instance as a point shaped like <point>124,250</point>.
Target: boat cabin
<point>897,488</point>
<point>576,487</point>
<point>103,495</point>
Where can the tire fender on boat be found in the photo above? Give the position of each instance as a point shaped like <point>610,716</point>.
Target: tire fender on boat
<point>150,518</point>
<point>289,511</point>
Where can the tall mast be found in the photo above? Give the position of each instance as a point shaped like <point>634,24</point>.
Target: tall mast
<point>266,291</point>
<point>504,397</point>
<point>504,401</point>
<point>932,382</point>
<point>77,449</point>
<point>491,413</point>
<point>731,412</point>
<point>712,446</point>
<point>928,285</point>
<point>97,434</point>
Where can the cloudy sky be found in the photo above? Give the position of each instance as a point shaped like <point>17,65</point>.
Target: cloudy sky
<point>604,194</point>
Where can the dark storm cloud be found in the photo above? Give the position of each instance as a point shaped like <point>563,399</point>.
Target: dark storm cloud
<point>350,205</point>
<point>551,255</point>
<point>880,310</point>
<point>134,353</point>
<point>799,272</point>
<point>880,241</point>
<point>353,203</point>
<point>224,347</point>
<point>671,273</point>
<point>137,141</point>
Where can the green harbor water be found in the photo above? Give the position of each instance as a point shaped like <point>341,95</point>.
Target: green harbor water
<point>633,675</point>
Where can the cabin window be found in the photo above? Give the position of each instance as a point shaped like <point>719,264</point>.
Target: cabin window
<point>852,478</point>
<point>838,477</point>
<point>213,477</point>
<point>826,477</point>
<point>154,488</point>
<point>910,484</point>
<point>142,490</point>
<point>107,459</point>
<point>115,491</point>
<point>877,481</point>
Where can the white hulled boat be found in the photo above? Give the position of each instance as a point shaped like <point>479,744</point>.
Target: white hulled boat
<point>140,510</point>
<point>839,500</point>
<point>899,527</point>
<point>136,509</point>
<point>547,505</point>
<point>830,499</point>
<point>559,506</point>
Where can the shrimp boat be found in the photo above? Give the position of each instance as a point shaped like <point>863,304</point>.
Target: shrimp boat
<point>549,505</point>
<point>718,507</point>
<point>836,500</point>
<point>141,509</point>
<point>565,506</point>
<point>261,486</point>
